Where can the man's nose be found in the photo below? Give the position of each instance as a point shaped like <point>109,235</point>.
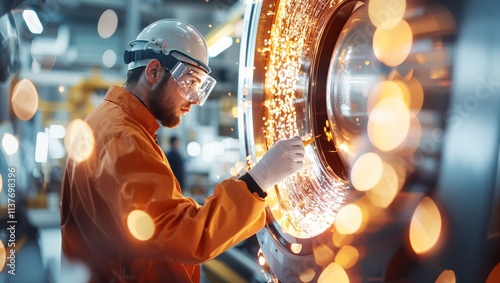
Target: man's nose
<point>195,101</point>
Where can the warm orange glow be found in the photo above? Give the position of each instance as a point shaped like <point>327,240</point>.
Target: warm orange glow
<point>388,124</point>
<point>262,259</point>
<point>305,213</point>
<point>3,256</point>
<point>494,276</point>
<point>447,276</point>
<point>234,112</point>
<point>79,140</point>
<point>392,46</point>
<point>272,201</point>
<point>366,171</point>
<point>140,225</point>
<point>386,14</point>
<point>349,219</point>
<point>24,99</point>
<point>296,247</point>
<point>384,192</point>
<point>333,273</point>
<point>323,255</point>
<point>387,89</point>
<point>340,240</point>
<point>347,257</point>
<point>412,140</point>
<point>307,275</point>
<point>237,168</point>
<point>367,211</point>
<point>425,226</point>
<point>416,94</point>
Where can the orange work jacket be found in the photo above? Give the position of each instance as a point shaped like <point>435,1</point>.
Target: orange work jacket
<point>128,171</point>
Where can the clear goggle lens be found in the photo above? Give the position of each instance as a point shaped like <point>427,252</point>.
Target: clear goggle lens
<point>194,85</point>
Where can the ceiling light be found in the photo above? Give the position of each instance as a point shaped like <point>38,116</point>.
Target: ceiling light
<point>219,46</point>
<point>32,21</point>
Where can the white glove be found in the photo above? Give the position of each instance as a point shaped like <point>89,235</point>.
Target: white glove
<point>283,159</point>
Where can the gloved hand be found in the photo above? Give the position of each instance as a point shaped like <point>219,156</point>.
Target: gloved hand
<point>283,159</point>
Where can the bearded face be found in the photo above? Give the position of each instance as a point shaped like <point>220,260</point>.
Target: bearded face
<point>163,105</point>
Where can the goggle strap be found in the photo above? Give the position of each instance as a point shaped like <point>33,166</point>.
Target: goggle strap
<point>168,61</point>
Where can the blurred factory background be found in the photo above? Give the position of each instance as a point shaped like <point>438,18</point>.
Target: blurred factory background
<point>402,184</point>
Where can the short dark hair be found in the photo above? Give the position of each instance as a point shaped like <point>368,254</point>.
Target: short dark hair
<point>134,75</point>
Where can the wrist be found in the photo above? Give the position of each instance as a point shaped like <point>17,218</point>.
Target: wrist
<point>252,186</point>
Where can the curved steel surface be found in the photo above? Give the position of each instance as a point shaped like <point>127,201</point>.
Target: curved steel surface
<point>403,96</point>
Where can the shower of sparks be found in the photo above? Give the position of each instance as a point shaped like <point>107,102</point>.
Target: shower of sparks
<point>310,199</point>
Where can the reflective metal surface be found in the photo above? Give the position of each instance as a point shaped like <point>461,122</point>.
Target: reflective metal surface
<point>402,94</point>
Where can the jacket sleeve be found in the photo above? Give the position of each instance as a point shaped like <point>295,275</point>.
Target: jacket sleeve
<point>132,175</point>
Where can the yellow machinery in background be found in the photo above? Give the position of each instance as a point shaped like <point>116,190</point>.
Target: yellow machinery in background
<point>79,100</point>
<point>80,95</point>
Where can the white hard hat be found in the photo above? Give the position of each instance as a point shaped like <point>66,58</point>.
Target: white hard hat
<point>168,36</point>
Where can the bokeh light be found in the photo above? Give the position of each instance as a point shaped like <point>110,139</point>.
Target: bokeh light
<point>366,171</point>
<point>323,255</point>
<point>412,139</point>
<point>79,140</point>
<point>425,226</point>
<point>340,240</point>
<point>1,183</point>
<point>234,112</point>
<point>262,259</point>
<point>24,99</point>
<point>193,149</point>
<point>10,144</point>
<point>140,225</point>
<point>296,247</point>
<point>349,219</point>
<point>386,14</point>
<point>385,191</point>
<point>416,95</point>
<point>307,275</point>
<point>3,256</point>
<point>347,257</point>
<point>447,276</point>
<point>388,124</point>
<point>107,24</point>
<point>333,273</point>
<point>41,147</point>
<point>109,58</point>
<point>388,89</point>
<point>392,46</point>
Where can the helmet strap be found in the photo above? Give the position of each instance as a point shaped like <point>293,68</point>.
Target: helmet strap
<point>168,61</point>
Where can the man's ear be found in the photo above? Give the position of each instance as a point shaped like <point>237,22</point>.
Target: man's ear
<point>153,71</point>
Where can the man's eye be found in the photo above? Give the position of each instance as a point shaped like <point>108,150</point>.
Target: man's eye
<point>193,83</point>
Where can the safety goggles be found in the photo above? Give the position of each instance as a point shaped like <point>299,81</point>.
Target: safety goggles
<point>194,85</point>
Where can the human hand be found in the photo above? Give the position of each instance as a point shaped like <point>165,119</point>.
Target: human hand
<point>283,159</point>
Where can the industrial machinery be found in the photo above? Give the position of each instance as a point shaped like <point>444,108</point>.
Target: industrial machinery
<point>402,183</point>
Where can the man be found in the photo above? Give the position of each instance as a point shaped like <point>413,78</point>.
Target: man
<point>176,160</point>
<point>123,215</point>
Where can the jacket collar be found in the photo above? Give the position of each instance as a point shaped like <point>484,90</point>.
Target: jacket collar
<point>133,107</point>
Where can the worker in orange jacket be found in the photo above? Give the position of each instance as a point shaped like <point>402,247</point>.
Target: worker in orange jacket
<point>123,215</point>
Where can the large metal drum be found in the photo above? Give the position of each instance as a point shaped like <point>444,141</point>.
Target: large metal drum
<point>401,184</point>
